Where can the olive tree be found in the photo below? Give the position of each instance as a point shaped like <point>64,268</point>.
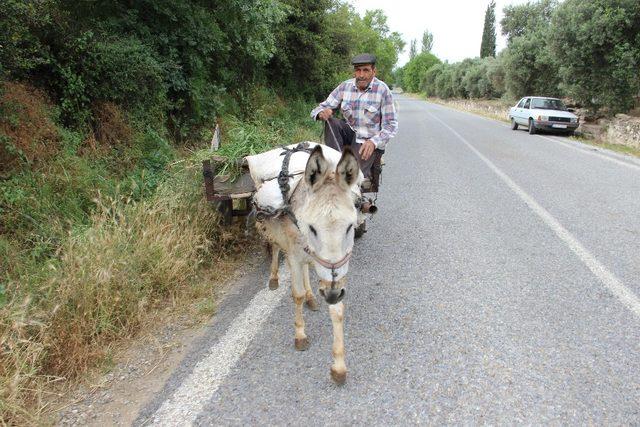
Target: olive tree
<point>597,44</point>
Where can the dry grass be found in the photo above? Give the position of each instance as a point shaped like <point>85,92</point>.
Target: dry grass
<point>26,130</point>
<point>110,125</point>
<point>108,281</point>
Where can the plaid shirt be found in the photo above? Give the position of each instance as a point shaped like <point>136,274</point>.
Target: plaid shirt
<point>370,113</point>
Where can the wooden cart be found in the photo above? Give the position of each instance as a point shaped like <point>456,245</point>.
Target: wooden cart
<point>222,191</point>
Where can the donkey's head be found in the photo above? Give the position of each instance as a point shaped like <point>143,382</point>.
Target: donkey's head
<point>327,219</point>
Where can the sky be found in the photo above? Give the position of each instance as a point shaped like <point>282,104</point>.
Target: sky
<point>456,25</point>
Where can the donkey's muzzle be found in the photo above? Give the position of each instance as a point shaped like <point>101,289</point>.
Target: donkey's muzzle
<point>332,296</point>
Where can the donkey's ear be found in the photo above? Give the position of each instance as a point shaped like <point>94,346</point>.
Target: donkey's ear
<point>317,168</point>
<point>348,169</point>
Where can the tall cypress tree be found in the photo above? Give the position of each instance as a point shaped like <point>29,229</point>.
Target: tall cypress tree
<point>413,50</point>
<point>488,46</point>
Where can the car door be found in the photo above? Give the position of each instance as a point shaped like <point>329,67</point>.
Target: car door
<point>523,116</point>
<point>517,111</point>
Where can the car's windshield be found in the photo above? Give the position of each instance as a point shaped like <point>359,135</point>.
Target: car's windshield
<point>548,104</point>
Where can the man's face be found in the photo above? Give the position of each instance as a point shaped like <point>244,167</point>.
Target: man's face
<point>364,74</point>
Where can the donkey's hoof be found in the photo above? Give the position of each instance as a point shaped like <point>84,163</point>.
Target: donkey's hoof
<point>338,377</point>
<point>312,303</point>
<point>302,344</point>
<point>273,284</point>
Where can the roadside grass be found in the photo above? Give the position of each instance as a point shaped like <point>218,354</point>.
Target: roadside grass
<point>92,251</point>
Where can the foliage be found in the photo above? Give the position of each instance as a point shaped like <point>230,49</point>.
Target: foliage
<point>488,45</point>
<point>415,70</point>
<point>374,36</point>
<point>304,63</point>
<point>427,41</point>
<point>476,80</point>
<point>444,82</point>
<point>597,47</point>
<point>21,26</point>
<point>521,19</point>
<point>430,77</point>
<point>529,67</point>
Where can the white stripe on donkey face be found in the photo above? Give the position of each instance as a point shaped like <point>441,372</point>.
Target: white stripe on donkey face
<point>323,204</point>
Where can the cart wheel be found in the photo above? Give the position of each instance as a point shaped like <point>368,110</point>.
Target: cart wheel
<point>225,209</point>
<point>360,230</point>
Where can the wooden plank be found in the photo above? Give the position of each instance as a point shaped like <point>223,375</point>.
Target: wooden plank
<point>208,175</point>
<point>241,185</point>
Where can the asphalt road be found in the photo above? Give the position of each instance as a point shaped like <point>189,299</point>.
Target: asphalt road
<point>498,283</point>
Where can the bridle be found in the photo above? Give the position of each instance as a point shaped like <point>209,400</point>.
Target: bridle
<point>333,266</point>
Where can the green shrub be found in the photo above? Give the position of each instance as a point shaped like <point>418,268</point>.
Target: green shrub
<point>529,67</point>
<point>415,70</point>
<point>597,44</point>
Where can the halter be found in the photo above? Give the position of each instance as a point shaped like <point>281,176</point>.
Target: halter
<point>326,264</point>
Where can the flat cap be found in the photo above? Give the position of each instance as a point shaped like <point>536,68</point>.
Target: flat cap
<point>364,58</point>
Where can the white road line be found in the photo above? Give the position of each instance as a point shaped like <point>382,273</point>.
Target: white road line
<point>593,153</point>
<point>188,401</point>
<point>607,278</point>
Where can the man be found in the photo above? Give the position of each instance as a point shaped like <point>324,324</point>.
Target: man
<point>369,114</point>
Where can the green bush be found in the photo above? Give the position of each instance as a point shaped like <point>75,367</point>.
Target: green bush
<point>429,82</point>
<point>597,44</point>
<point>444,83</point>
<point>22,24</point>
<point>415,70</point>
<point>529,67</point>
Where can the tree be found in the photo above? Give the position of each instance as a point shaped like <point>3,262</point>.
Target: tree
<point>597,46</point>
<point>427,41</point>
<point>412,50</point>
<point>521,19</point>
<point>488,46</point>
<point>373,36</point>
<point>529,68</point>
<point>415,70</point>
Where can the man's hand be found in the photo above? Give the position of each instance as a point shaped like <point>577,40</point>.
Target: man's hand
<point>367,149</point>
<point>325,114</point>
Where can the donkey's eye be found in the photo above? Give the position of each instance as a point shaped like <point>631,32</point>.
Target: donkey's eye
<point>349,228</point>
<point>313,230</point>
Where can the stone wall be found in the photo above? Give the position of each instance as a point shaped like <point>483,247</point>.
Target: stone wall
<point>623,130</point>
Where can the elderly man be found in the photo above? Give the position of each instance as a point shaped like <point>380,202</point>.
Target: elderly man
<point>369,114</point>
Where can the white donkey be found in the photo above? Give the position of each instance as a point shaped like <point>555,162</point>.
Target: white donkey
<point>318,230</point>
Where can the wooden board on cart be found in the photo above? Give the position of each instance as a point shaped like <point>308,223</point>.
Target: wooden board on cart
<point>223,190</point>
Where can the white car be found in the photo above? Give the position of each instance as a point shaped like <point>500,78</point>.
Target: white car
<point>542,113</point>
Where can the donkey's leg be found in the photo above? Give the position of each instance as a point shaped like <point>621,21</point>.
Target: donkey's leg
<point>275,258</point>
<point>298,293</point>
<point>310,299</point>
<point>339,369</point>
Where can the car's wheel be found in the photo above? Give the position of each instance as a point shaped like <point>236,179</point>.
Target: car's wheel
<point>514,125</point>
<point>532,127</point>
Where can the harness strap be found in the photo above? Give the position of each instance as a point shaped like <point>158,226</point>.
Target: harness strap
<point>283,182</point>
<point>326,264</point>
